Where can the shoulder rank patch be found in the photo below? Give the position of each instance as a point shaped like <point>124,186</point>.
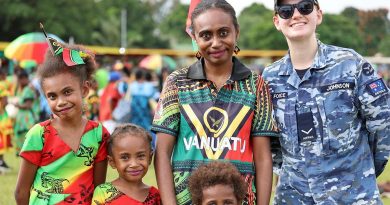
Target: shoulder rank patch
<point>377,87</point>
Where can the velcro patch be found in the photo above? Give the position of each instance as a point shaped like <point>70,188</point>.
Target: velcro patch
<point>338,86</point>
<point>377,87</point>
<point>306,128</point>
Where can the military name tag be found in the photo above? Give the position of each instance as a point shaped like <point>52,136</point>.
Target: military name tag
<point>338,86</point>
<point>306,129</point>
<point>277,96</point>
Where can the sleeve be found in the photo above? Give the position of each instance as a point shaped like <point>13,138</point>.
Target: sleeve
<point>263,123</point>
<point>33,145</point>
<point>102,151</point>
<point>374,102</point>
<point>27,94</point>
<point>98,196</point>
<point>167,116</point>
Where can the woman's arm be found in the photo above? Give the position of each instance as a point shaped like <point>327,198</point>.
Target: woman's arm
<point>163,168</point>
<point>99,172</point>
<point>26,177</point>
<point>263,165</point>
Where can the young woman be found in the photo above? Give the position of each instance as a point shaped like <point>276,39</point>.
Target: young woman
<point>215,109</point>
<point>333,113</point>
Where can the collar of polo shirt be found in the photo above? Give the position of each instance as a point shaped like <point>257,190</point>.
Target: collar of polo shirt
<point>240,71</point>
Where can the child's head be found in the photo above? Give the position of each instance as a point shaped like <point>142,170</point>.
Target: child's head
<point>130,151</point>
<point>66,86</point>
<point>217,183</point>
<point>23,78</point>
<point>55,65</point>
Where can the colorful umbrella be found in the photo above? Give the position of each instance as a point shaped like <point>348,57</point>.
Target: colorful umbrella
<point>29,46</point>
<point>157,62</point>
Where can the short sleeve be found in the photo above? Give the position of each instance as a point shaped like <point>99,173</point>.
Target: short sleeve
<point>27,94</point>
<point>102,151</point>
<point>167,116</point>
<point>263,123</point>
<point>33,145</point>
<point>98,196</point>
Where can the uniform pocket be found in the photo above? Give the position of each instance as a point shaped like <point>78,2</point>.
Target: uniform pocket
<point>338,114</point>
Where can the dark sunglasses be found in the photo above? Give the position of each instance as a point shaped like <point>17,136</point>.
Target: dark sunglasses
<point>304,7</point>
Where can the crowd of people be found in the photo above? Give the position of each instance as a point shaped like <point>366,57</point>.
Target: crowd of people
<point>217,130</point>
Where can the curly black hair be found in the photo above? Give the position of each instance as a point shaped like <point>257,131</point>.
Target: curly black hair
<point>54,64</point>
<point>128,129</point>
<point>216,173</point>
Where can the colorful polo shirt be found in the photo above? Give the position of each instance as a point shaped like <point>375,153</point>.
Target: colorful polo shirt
<point>213,125</point>
<point>107,194</point>
<point>64,176</point>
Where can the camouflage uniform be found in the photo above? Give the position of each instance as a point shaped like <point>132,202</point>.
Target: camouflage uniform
<point>335,128</point>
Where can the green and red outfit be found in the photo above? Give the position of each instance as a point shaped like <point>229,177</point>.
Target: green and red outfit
<point>64,176</point>
<point>107,194</point>
<point>214,125</point>
<point>25,118</point>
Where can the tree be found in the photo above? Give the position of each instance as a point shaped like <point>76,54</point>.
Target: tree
<point>335,28</point>
<point>173,25</point>
<point>374,27</point>
<point>384,46</point>
<point>257,30</point>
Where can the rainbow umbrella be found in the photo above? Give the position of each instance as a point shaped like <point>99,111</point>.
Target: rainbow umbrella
<point>157,62</point>
<point>29,46</point>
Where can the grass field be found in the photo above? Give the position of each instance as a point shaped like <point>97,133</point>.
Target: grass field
<point>7,182</point>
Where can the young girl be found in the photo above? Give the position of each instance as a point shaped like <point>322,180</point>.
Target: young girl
<point>217,183</point>
<point>215,109</point>
<point>63,158</point>
<point>333,112</point>
<point>130,153</point>
<point>6,129</point>
<point>27,104</point>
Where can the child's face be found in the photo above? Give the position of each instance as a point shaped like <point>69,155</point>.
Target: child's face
<point>219,194</point>
<point>131,156</point>
<point>65,95</point>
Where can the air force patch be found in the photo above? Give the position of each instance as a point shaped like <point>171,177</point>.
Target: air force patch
<point>377,87</point>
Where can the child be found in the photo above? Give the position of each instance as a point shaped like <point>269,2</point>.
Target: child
<point>63,158</point>
<point>130,153</point>
<point>27,104</point>
<point>217,183</point>
<point>6,129</point>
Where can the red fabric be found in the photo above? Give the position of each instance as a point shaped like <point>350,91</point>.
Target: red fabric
<point>193,5</point>
<point>110,97</point>
<point>67,57</point>
<point>152,199</point>
<point>102,152</point>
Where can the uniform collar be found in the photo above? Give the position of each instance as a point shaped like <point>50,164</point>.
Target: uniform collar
<point>320,61</point>
<point>240,71</point>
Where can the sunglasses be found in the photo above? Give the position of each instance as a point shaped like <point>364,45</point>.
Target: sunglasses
<point>304,7</point>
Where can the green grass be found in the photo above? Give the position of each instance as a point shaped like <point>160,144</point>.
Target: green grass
<point>7,182</point>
